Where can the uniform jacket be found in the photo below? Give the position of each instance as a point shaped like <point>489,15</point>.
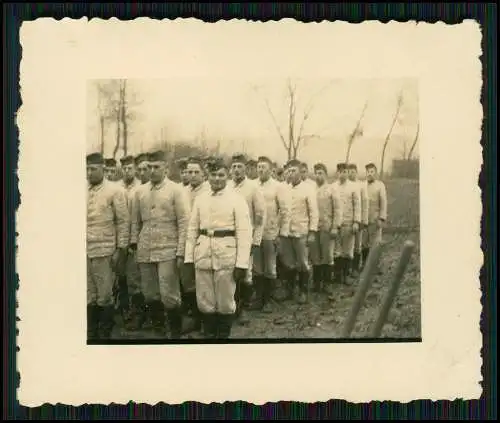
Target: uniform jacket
<point>108,221</point>
<point>377,201</point>
<point>278,212</point>
<point>256,206</point>
<point>329,206</point>
<point>364,200</point>
<point>350,196</point>
<point>195,192</point>
<point>130,191</point>
<point>160,215</point>
<point>303,208</point>
<point>224,210</point>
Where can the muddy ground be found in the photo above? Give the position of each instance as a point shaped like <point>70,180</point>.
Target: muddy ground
<point>323,317</point>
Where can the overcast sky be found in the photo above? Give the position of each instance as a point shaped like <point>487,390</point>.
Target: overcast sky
<point>233,113</point>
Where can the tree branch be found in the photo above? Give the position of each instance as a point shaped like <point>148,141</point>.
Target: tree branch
<point>410,153</point>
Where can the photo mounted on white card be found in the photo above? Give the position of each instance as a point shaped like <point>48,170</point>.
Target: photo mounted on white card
<point>270,252</point>
<point>306,266</point>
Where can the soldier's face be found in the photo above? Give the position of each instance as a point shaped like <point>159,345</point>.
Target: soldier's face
<point>143,172</point>
<point>158,170</point>
<point>238,171</point>
<point>263,170</point>
<point>195,174</point>
<point>320,176</point>
<point>128,172</point>
<point>343,175</point>
<point>294,174</point>
<point>110,173</point>
<point>95,174</point>
<point>353,174</point>
<point>252,172</point>
<point>371,174</point>
<point>218,179</point>
<point>185,178</point>
<point>303,173</point>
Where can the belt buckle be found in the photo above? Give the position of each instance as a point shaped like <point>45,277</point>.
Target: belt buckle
<point>210,232</point>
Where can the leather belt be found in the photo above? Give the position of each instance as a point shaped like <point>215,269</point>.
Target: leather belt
<point>217,233</point>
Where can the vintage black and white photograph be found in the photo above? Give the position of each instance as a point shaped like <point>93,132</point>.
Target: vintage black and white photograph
<point>278,208</point>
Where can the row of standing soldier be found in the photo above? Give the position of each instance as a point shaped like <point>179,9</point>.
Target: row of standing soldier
<point>195,255</point>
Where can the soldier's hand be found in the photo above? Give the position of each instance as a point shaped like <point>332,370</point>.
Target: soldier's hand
<point>380,223</point>
<point>311,237</point>
<point>355,227</point>
<point>334,233</point>
<point>254,250</point>
<point>180,262</point>
<point>132,247</point>
<point>120,261</point>
<point>239,274</point>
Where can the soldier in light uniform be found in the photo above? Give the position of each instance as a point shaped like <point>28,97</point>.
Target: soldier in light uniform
<point>358,238</point>
<point>131,298</point>
<point>351,219</point>
<point>185,178</point>
<point>257,210</point>
<point>377,209</point>
<point>280,175</point>
<point>218,244</point>
<point>304,175</point>
<point>110,169</point>
<point>330,222</point>
<point>159,220</point>
<point>277,227</point>
<point>108,234</point>
<point>142,167</point>
<point>251,169</point>
<point>294,250</point>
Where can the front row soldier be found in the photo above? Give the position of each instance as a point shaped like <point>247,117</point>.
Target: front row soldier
<point>351,218</point>
<point>185,180</point>
<point>142,168</point>
<point>377,209</point>
<point>108,231</point>
<point>110,169</point>
<point>277,226</point>
<point>302,231</point>
<point>158,229</point>
<point>218,244</point>
<point>330,222</point>
<point>358,237</point>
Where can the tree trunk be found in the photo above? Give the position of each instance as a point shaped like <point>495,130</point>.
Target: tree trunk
<point>117,143</point>
<point>348,154</point>
<point>388,136</point>
<point>412,149</point>
<point>101,121</point>
<point>124,117</point>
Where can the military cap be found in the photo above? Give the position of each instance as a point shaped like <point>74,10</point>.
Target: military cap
<point>95,159</point>
<point>320,166</point>
<point>292,163</point>
<point>216,164</point>
<point>182,163</point>
<point>352,166</point>
<point>252,162</point>
<point>341,167</point>
<point>279,171</point>
<point>141,158</point>
<point>239,158</point>
<point>157,156</point>
<point>370,166</point>
<point>303,165</point>
<point>266,159</point>
<point>127,160</point>
<point>110,162</point>
<point>197,160</point>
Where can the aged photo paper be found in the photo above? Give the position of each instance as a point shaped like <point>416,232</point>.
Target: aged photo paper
<point>190,78</point>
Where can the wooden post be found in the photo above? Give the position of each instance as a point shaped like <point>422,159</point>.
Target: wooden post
<point>376,329</point>
<point>367,276</point>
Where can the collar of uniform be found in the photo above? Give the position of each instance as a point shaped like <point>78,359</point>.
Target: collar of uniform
<point>198,187</point>
<point>134,182</point>
<point>265,182</point>
<point>297,185</point>
<point>158,186</point>
<point>221,192</point>
<point>239,184</point>
<point>96,187</point>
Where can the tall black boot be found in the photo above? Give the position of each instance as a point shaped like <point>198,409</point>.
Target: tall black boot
<point>355,264</point>
<point>317,277</point>
<point>209,325</point>
<point>268,288</point>
<point>123,297</point>
<point>291,281</point>
<point>107,321</point>
<point>303,285</point>
<point>364,255</point>
<point>175,322</point>
<point>137,312</point>
<point>329,277</point>
<point>93,315</point>
<point>337,272</point>
<point>259,294</point>
<point>224,325</point>
<point>346,266</point>
<point>157,312</point>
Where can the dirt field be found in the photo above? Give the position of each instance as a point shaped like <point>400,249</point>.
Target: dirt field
<point>322,317</point>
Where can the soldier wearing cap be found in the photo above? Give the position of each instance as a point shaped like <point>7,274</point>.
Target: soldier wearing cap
<point>251,169</point>
<point>218,245</point>
<point>358,237</point>
<point>304,175</point>
<point>377,209</point>
<point>257,209</point>
<point>351,218</point>
<point>280,175</point>
<point>142,167</point>
<point>159,220</point>
<point>185,179</point>
<point>330,221</point>
<point>110,169</point>
<point>302,233</point>
<point>108,232</point>
<point>129,283</point>
<point>277,226</point>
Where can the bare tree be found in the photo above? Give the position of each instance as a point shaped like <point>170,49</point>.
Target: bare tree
<point>389,133</point>
<point>357,131</point>
<point>294,139</point>
<point>415,140</point>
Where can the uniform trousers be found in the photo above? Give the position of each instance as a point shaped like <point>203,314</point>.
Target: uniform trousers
<point>215,291</point>
<point>294,253</point>
<point>372,234</point>
<point>133,275</point>
<point>264,261</point>
<point>100,281</point>
<point>345,245</point>
<point>160,281</point>
<point>322,249</point>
